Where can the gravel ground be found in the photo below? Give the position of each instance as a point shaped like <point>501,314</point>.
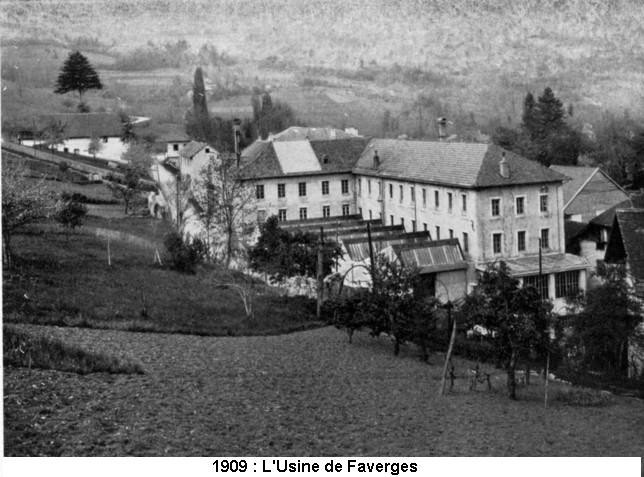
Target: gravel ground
<point>307,393</point>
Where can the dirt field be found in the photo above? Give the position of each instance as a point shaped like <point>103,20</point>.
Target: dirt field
<point>308,393</point>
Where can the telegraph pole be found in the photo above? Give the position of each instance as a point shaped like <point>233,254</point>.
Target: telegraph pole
<point>320,273</point>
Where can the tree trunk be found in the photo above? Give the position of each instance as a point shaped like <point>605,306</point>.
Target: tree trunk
<point>7,256</point>
<point>510,369</point>
<point>229,247</point>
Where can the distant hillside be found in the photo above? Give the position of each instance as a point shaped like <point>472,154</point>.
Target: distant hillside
<point>476,56</point>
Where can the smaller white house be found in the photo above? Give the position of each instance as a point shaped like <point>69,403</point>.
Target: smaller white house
<point>82,130</point>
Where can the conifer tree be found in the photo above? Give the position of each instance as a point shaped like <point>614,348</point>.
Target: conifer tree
<point>77,74</point>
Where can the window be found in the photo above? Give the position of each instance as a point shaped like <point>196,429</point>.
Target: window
<point>463,203</point>
<point>424,197</point>
<point>359,187</point>
<point>391,191</point>
<point>497,240</point>
<point>543,203</point>
<point>436,199</point>
<point>438,233</point>
<point>175,147</point>
<point>261,216</point>
<point>379,190</point>
<point>566,284</point>
<point>521,241</point>
<point>370,215</point>
<point>402,222</point>
<point>345,209</point>
<point>302,213</point>
<point>424,226</point>
<point>540,284</point>
<point>302,188</point>
<point>281,190</point>
<point>496,207</point>
<point>104,138</point>
<point>360,211</point>
<point>345,186</point>
<point>412,191</point>
<point>466,242</point>
<point>449,201</point>
<point>391,220</point>
<point>281,215</point>
<point>369,187</point>
<point>207,150</point>
<point>325,187</point>
<point>545,238</point>
<point>259,191</point>
<point>326,211</point>
<point>413,225</point>
<point>520,205</point>
<point>401,194</point>
<point>451,233</point>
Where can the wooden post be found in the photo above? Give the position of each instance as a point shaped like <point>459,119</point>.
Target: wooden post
<point>320,273</point>
<point>109,256</point>
<point>373,268</point>
<point>545,388</point>
<point>448,357</point>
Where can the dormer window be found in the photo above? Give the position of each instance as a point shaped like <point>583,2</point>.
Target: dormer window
<point>325,159</point>
<point>207,150</point>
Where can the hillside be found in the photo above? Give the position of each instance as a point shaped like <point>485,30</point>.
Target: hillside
<point>475,57</point>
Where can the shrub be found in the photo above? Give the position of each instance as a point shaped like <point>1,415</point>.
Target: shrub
<point>585,397</point>
<point>70,212</point>
<point>184,254</point>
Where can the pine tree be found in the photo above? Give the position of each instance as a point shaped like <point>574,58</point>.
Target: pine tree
<point>549,115</point>
<point>198,122</point>
<point>528,120</point>
<point>77,75</point>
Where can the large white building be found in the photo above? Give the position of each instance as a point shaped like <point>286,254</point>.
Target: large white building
<point>499,205</point>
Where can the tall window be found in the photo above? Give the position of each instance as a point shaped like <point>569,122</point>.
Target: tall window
<point>545,238</point>
<point>543,203</point>
<point>438,233</point>
<point>359,187</point>
<point>520,205</point>
<point>302,213</point>
<point>497,243</point>
<point>466,242</point>
<point>302,188</point>
<point>345,209</point>
<point>540,284</point>
<point>326,211</point>
<point>496,207</point>
<point>369,186</point>
<point>402,222</point>
<point>360,211</point>
<point>449,201</point>
<point>436,199</point>
<point>345,186</point>
<point>451,233</point>
<point>424,226</point>
<point>325,187</point>
<point>567,284</point>
<point>424,197</point>
<point>259,191</point>
<point>281,190</point>
<point>370,215</point>
<point>391,191</point>
<point>463,203</point>
<point>413,225</point>
<point>401,194</point>
<point>412,191</point>
<point>391,220</point>
<point>281,215</point>
<point>521,240</point>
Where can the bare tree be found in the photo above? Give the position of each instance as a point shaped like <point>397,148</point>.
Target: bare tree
<point>243,285</point>
<point>226,205</point>
<point>94,146</point>
<point>24,201</point>
<point>138,167</point>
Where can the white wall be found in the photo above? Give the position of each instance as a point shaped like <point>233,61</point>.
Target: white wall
<point>111,150</point>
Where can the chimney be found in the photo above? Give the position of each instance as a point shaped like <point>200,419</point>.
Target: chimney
<point>442,128</point>
<point>504,167</point>
<point>376,160</point>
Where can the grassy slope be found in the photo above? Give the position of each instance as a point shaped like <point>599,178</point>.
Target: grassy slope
<point>67,281</point>
<point>484,55</point>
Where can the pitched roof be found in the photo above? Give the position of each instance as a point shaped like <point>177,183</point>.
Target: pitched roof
<point>83,125</point>
<point>264,159</point>
<point>299,133</point>
<point>606,218</point>
<point>471,165</point>
<point>432,257</point>
<point>170,133</point>
<point>574,229</point>
<point>551,263</point>
<point>630,223</point>
<point>578,176</point>
<point>193,147</point>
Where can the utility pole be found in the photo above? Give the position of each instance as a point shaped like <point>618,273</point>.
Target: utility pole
<point>320,273</point>
<point>373,268</point>
<point>545,387</point>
